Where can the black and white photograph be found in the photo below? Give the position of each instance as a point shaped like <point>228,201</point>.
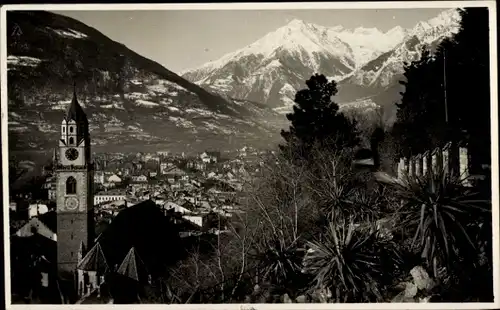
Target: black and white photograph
<point>251,154</point>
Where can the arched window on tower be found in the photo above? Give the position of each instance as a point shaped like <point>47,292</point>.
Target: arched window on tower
<point>64,129</point>
<point>71,141</point>
<point>71,186</point>
<point>71,129</point>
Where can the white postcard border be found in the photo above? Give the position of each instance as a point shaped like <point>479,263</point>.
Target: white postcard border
<point>264,6</point>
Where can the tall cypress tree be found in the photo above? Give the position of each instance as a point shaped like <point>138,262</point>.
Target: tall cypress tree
<point>447,95</point>
<point>316,120</point>
<point>470,82</point>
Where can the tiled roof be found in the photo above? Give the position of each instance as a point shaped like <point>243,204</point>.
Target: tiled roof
<point>35,226</point>
<point>34,244</point>
<point>111,192</point>
<point>50,220</point>
<point>133,267</point>
<point>145,227</point>
<point>212,153</point>
<point>188,205</point>
<point>94,260</point>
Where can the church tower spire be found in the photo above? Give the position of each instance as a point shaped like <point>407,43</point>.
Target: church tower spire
<point>75,111</point>
<point>74,193</point>
<point>75,126</point>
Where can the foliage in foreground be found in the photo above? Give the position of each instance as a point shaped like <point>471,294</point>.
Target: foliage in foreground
<point>316,228</point>
<point>442,214</point>
<point>422,120</point>
<point>351,262</point>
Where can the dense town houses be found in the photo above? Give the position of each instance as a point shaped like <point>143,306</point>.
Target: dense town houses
<point>192,190</point>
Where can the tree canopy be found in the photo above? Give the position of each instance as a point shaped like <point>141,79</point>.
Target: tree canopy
<point>447,94</point>
<point>315,119</point>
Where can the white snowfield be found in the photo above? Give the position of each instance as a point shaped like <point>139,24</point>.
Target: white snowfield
<point>145,103</point>
<point>114,105</point>
<point>69,33</point>
<point>24,61</point>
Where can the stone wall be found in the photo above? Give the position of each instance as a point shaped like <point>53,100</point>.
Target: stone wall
<point>452,159</point>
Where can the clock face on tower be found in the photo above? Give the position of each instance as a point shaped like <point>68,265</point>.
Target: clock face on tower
<point>71,154</point>
<point>71,203</point>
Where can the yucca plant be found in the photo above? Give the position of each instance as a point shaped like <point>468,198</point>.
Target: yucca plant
<point>281,261</point>
<point>440,211</point>
<point>343,197</point>
<point>350,262</point>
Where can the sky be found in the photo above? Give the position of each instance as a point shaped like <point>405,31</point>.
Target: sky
<point>185,39</point>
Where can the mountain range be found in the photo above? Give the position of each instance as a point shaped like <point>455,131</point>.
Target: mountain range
<point>365,62</point>
<point>131,101</point>
<point>134,102</point>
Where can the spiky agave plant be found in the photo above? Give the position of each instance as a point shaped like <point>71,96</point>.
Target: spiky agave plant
<point>281,261</point>
<point>350,262</point>
<point>441,212</point>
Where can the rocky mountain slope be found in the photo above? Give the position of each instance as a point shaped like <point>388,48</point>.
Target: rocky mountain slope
<point>131,101</point>
<point>271,69</point>
<point>366,62</point>
<point>379,77</point>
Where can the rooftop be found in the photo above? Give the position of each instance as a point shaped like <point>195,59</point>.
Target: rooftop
<point>133,267</point>
<point>112,192</point>
<point>75,111</point>
<point>94,260</point>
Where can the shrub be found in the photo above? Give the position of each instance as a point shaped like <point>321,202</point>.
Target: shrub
<point>441,214</point>
<point>351,262</point>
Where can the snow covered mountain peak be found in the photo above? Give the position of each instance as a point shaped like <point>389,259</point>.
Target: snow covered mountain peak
<point>396,31</point>
<point>271,69</point>
<point>297,24</point>
<point>367,31</point>
<point>385,70</point>
<point>337,28</point>
<point>448,17</point>
<point>296,37</point>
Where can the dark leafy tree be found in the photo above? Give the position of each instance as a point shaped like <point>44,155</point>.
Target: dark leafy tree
<point>441,104</point>
<point>419,105</point>
<point>376,138</point>
<point>469,56</point>
<point>316,121</point>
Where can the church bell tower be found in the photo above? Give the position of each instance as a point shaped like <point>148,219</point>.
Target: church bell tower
<point>74,193</point>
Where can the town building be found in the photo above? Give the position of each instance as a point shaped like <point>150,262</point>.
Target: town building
<point>37,209</point>
<point>109,195</point>
<point>44,225</point>
<point>163,153</point>
<point>99,177</point>
<point>210,157</point>
<point>141,178</point>
<point>114,179</point>
<point>197,165</point>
